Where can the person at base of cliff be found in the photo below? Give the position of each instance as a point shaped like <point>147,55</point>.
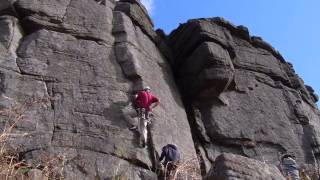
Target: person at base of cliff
<point>289,167</point>
<point>171,156</point>
<point>303,173</point>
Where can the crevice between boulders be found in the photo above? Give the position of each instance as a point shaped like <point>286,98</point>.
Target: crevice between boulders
<point>197,138</point>
<point>154,156</point>
<point>202,159</point>
<point>2,83</point>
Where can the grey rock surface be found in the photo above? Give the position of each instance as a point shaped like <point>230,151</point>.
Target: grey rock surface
<point>139,15</point>
<point>10,35</point>
<point>241,95</point>
<point>84,18</point>
<point>77,64</point>
<point>7,8</point>
<point>143,64</point>
<point>231,167</point>
<point>69,70</point>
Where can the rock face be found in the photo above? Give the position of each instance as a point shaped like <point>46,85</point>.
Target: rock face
<point>241,95</point>
<point>230,166</point>
<point>72,66</point>
<point>86,59</point>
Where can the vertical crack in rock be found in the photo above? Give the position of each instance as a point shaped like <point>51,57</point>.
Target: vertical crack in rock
<point>128,62</point>
<point>2,83</point>
<point>143,64</point>
<point>66,10</point>
<point>11,36</point>
<point>198,137</point>
<point>154,156</point>
<point>126,59</point>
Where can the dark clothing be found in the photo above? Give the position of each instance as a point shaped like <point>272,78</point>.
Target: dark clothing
<point>171,157</point>
<point>290,168</point>
<point>170,153</point>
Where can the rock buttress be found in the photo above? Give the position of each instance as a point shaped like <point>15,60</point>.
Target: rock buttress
<point>77,63</point>
<point>241,95</point>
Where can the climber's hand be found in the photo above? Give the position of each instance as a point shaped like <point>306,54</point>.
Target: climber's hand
<point>160,165</point>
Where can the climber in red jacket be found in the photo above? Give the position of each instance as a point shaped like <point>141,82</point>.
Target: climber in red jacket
<point>145,101</point>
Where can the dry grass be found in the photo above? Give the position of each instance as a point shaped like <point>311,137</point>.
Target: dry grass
<point>186,170</point>
<point>312,171</point>
<point>9,163</point>
<point>12,165</point>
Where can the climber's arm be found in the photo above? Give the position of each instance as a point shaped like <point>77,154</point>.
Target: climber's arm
<point>155,102</point>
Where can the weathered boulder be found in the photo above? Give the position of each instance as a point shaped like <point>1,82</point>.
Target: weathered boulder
<point>213,71</point>
<point>240,94</point>
<point>229,166</point>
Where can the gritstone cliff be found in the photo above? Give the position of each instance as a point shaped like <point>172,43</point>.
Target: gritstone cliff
<point>77,64</point>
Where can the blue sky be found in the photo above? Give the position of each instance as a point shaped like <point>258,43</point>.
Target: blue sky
<point>290,26</point>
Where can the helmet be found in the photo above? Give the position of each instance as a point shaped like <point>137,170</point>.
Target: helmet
<point>147,88</point>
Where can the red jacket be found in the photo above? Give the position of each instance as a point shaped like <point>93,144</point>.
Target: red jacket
<point>145,99</point>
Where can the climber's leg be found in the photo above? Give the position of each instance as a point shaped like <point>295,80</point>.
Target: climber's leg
<point>143,127</point>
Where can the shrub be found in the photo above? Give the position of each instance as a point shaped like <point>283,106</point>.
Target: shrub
<point>12,164</point>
